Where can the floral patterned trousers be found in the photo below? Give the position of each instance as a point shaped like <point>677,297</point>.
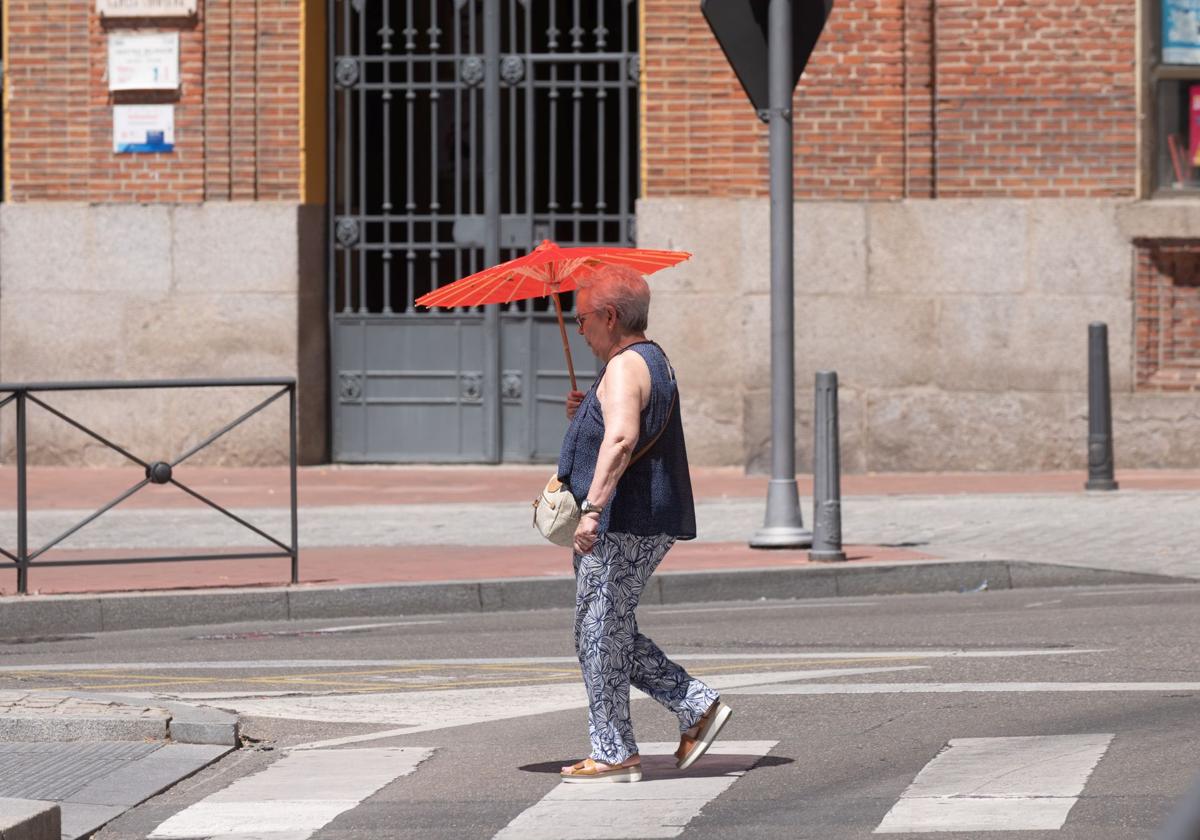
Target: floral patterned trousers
<point>612,653</point>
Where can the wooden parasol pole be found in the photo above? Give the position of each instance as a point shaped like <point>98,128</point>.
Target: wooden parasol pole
<point>562,328</point>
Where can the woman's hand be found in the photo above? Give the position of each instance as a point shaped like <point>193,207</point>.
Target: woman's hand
<point>585,532</point>
<point>574,398</point>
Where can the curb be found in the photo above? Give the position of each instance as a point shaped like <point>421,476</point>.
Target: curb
<point>60,614</point>
<point>185,724</point>
<point>29,819</point>
<point>188,724</point>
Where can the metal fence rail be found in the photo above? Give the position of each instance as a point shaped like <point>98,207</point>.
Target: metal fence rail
<point>157,472</point>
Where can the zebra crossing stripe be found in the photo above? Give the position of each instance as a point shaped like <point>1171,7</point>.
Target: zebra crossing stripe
<point>998,784</point>
<point>965,688</point>
<point>294,797</point>
<point>661,805</point>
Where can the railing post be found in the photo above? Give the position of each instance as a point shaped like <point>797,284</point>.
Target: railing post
<point>827,482</point>
<point>22,502</point>
<point>292,461</point>
<point>1100,430</point>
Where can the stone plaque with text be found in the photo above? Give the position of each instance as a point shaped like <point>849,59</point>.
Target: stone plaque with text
<point>146,8</point>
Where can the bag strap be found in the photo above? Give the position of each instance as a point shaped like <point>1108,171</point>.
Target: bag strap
<point>674,394</point>
<point>654,440</point>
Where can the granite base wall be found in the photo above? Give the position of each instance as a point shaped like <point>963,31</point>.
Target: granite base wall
<point>117,292</point>
<point>958,329</point>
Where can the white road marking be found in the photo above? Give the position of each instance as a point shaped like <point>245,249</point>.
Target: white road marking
<point>661,805</point>
<point>998,784</point>
<point>262,664</point>
<point>1144,588</point>
<point>754,607</point>
<point>424,711</point>
<point>373,626</point>
<point>294,797</point>
<point>1043,603</point>
<point>956,688</point>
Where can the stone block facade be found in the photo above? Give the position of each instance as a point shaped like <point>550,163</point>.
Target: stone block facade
<point>971,192</point>
<point>958,329</point>
<point>205,262</point>
<point>140,292</point>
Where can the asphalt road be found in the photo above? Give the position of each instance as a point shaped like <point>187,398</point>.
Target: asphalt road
<point>1071,712</point>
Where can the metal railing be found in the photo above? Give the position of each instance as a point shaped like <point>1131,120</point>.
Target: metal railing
<point>157,472</point>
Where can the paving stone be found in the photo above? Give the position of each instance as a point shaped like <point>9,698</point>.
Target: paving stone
<point>138,780</point>
<point>80,821</point>
<point>54,770</point>
<point>26,819</point>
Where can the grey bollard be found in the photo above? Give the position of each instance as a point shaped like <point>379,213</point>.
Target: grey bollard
<point>827,483</point>
<point>1100,430</point>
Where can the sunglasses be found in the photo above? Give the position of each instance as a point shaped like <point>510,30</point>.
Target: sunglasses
<point>580,317</point>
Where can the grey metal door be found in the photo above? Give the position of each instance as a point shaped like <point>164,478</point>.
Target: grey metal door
<point>463,132</point>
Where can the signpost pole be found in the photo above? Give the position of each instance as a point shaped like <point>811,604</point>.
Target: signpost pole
<point>783,525</point>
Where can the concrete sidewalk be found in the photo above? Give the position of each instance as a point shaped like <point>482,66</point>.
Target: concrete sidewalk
<point>430,538</point>
<point>71,762</point>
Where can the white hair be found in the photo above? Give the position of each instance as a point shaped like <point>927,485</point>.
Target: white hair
<point>624,290</point>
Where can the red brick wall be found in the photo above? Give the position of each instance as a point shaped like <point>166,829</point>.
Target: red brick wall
<point>237,114</point>
<point>1032,99</point>
<point>1167,312</point>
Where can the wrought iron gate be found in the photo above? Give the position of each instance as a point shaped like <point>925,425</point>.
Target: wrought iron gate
<point>463,132</point>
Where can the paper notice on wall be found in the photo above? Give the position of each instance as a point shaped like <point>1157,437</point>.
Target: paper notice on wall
<point>1181,31</point>
<point>143,62</point>
<point>143,128</point>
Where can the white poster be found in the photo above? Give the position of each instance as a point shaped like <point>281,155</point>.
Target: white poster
<point>143,62</point>
<point>143,128</point>
<point>1181,31</point>
<point>146,8</point>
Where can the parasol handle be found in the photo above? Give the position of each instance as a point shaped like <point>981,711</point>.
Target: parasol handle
<point>562,328</point>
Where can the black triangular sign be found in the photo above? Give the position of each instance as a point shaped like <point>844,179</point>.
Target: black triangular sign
<point>741,30</point>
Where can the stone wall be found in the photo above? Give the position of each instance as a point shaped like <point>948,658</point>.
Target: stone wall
<point>958,329</point>
<point>116,292</point>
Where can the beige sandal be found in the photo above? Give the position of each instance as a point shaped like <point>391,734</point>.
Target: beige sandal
<point>696,741</point>
<point>590,770</point>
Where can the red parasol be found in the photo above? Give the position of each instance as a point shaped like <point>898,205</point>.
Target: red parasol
<point>546,270</point>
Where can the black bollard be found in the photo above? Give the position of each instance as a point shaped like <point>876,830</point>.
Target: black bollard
<point>827,483</point>
<point>1100,431</point>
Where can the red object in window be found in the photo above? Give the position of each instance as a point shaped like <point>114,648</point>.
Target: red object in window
<point>1194,124</point>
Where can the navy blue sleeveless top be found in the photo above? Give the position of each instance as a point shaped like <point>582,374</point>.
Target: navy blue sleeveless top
<point>654,495</point>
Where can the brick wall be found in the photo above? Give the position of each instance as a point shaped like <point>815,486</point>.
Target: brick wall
<point>237,114</point>
<point>1167,312</point>
<point>920,98</point>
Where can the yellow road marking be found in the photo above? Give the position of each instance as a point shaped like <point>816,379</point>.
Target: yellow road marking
<point>335,679</point>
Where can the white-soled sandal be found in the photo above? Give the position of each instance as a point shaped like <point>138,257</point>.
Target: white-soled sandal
<point>589,770</point>
<point>696,741</point>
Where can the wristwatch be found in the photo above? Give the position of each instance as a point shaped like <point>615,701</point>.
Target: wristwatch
<point>588,507</point>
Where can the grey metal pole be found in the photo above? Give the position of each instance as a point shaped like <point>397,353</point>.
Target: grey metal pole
<point>827,468</point>
<point>22,502</point>
<point>783,526</point>
<point>491,212</point>
<point>1100,430</point>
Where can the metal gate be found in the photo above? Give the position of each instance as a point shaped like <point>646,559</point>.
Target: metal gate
<point>462,133</point>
